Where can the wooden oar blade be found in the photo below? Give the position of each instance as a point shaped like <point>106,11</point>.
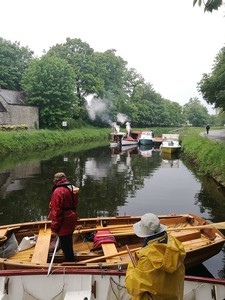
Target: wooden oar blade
<point>220,225</point>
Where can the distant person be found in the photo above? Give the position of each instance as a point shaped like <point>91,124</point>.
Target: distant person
<point>63,212</point>
<point>157,272</point>
<point>207,128</point>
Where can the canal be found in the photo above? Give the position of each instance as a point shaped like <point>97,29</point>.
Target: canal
<point>112,182</point>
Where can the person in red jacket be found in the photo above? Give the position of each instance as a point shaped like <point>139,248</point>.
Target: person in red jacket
<point>63,212</point>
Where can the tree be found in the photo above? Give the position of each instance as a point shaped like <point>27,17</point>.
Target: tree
<point>172,114</point>
<point>195,113</point>
<point>14,61</point>
<point>210,5</point>
<point>212,86</point>
<point>49,84</point>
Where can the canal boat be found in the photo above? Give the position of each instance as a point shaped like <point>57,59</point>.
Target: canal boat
<point>90,284</point>
<point>131,139</point>
<point>102,242</point>
<point>115,139</point>
<point>146,137</point>
<point>170,143</point>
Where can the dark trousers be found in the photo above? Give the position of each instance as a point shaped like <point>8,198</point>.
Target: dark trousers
<point>66,243</point>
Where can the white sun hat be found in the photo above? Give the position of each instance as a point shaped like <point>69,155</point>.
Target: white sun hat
<point>148,225</point>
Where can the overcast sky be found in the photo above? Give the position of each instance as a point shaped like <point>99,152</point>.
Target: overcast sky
<point>170,43</point>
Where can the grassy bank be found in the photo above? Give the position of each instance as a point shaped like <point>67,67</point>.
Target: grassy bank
<point>17,142</point>
<point>36,140</point>
<point>208,156</point>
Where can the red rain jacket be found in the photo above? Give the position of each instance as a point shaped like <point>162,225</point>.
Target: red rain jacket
<point>63,209</point>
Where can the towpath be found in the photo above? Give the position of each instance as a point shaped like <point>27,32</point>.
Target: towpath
<point>217,135</point>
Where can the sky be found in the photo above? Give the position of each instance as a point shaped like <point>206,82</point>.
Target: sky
<point>169,42</point>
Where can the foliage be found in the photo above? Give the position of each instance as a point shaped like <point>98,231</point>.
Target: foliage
<point>15,142</point>
<point>64,80</point>
<point>13,127</point>
<point>49,84</point>
<point>14,61</point>
<point>210,5</point>
<point>207,155</point>
<point>80,56</point>
<point>196,113</point>
<point>212,86</point>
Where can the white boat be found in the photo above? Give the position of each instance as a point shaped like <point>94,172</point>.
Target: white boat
<point>90,284</point>
<point>146,137</point>
<point>170,143</point>
<point>131,139</point>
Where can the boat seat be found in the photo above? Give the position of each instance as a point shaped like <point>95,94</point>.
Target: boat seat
<point>186,235</point>
<point>40,254</point>
<point>110,249</point>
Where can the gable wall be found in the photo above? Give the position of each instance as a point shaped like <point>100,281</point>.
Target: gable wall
<point>19,114</point>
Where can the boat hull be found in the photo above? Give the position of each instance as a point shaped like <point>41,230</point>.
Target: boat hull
<point>129,141</point>
<point>170,150</point>
<point>146,141</point>
<point>90,285</point>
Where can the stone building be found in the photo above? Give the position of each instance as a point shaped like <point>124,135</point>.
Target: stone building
<point>15,111</point>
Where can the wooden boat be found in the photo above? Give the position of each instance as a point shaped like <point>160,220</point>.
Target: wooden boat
<point>146,137</point>
<point>170,143</point>
<point>131,138</point>
<point>108,247</point>
<point>90,284</point>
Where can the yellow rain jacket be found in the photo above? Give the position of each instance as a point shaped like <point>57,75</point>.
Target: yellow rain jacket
<point>160,271</point>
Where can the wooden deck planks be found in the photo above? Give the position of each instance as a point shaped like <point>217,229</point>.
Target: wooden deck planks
<point>41,249</point>
<point>110,249</point>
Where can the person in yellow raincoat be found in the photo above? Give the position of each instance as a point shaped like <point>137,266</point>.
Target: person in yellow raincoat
<point>159,270</point>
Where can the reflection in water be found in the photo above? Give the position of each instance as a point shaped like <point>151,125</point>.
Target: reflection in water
<point>145,150</point>
<point>113,181</point>
<point>170,160</point>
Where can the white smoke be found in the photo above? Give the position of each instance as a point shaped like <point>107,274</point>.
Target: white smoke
<point>97,107</point>
<point>121,118</point>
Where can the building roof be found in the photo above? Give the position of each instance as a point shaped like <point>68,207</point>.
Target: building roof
<point>13,97</point>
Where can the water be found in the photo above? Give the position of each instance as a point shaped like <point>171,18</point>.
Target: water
<point>112,182</point>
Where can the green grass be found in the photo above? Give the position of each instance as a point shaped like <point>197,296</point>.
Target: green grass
<point>14,142</point>
<point>208,156</point>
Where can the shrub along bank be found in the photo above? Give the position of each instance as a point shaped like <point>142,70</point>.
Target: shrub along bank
<point>208,156</point>
<point>36,140</point>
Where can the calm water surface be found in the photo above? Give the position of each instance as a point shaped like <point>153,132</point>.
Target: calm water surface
<point>112,182</point>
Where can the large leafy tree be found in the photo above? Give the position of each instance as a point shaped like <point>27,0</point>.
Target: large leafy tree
<point>212,86</point>
<point>79,56</point>
<point>196,113</point>
<point>172,114</point>
<point>14,61</point>
<point>49,84</point>
<point>209,5</point>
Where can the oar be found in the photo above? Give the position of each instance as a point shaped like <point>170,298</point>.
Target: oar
<point>219,225</point>
<point>53,256</point>
<point>77,231</point>
<point>131,257</point>
<point>99,258</point>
